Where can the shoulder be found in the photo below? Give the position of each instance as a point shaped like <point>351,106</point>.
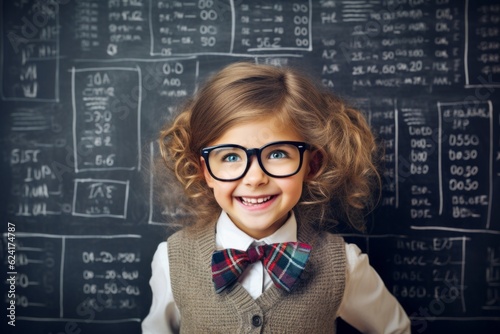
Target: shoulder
<point>358,267</point>
<point>355,259</point>
<point>332,237</point>
<point>177,235</point>
<point>160,264</point>
<point>162,246</point>
<point>191,232</point>
<point>176,241</point>
<point>161,251</point>
<point>182,236</point>
<point>353,254</point>
<point>352,250</point>
<point>329,247</point>
<point>329,240</point>
<point>188,241</point>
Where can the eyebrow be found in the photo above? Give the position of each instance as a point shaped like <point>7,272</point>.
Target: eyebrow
<point>220,150</point>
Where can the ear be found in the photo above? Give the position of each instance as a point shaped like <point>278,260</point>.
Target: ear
<point>208,178</point>
<point>315,163</point>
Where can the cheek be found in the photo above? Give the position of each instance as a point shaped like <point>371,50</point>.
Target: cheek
<point>293,188</point>
<point>223,190</point>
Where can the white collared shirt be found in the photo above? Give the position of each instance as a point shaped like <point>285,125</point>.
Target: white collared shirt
<point>367,304</point>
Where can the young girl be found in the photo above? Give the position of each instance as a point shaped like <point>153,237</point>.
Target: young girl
<point>268,161</point>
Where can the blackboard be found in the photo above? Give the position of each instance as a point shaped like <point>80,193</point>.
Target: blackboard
<point>85,86</point>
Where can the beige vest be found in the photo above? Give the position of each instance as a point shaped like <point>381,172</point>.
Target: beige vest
<point>311,307</point>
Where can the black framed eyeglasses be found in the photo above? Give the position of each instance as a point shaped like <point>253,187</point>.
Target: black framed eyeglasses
<point>230,162</point>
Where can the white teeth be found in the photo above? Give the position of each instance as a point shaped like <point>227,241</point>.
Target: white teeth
<point>250,200</point>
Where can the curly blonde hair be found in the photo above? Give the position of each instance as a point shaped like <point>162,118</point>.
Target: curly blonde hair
<point>344,170</point>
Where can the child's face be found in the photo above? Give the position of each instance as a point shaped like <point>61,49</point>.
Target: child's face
<point>257,203</point>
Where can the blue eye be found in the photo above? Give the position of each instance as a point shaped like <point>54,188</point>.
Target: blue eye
<point>278,155</point>
<point>231,158</point>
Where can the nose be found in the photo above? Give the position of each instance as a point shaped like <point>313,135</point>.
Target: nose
<point>255,176</point>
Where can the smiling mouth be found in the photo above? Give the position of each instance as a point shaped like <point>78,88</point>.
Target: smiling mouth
<point>251,201</point>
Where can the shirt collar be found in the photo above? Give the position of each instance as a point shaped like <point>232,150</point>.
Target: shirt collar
<point>230,236</point>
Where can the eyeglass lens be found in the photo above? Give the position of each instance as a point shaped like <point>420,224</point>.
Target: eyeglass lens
<point>231,162</point>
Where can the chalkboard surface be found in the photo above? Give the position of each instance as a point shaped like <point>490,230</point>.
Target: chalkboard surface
<point>86,84</point>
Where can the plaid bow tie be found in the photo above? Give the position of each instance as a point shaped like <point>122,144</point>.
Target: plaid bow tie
<point>284,262</point>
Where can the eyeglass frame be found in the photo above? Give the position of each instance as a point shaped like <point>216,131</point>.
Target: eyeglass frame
<point>301,146</point>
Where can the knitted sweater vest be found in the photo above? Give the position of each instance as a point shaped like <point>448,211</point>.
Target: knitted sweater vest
<point>311,306</point>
